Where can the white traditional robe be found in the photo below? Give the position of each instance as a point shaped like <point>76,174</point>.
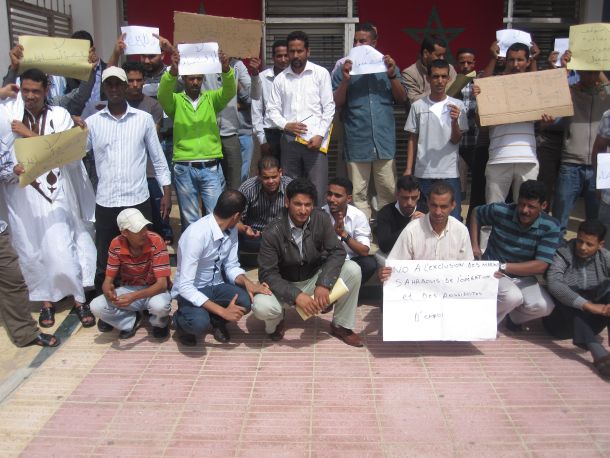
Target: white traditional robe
<point>51,227</point>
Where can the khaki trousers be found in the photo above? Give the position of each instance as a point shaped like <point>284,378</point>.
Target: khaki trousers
<point>384,177</point>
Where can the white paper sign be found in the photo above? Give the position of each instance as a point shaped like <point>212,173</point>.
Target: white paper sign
<point>440,300</point>
<point>442,111</point>
<point>199,59</point>
<point>508,37</point>
<point>561,46</point>
<point>603,171</point>
<point>140,40</point>
<point>366,59</point>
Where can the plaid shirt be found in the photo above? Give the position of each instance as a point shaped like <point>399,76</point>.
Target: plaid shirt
<point>470,102</point>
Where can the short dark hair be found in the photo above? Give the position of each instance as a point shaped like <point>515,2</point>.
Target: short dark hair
<point>133,66</point>
<point>430,41</point>
<point>366,27</point>
<point>36,75</point>
<point>301,186</point>
<point>516,47</point>
<point>441,187</point>
<point>267,163</point>
<point>533,189</point>
<point>465,51</point>
<point>230,202</point>
<point>408,183</point>
<point>438,63</point>
<point>83,35</point>
<point>298,35</point>
<point>278,44</point>
<point>344,182</point>
<point>593,227</point>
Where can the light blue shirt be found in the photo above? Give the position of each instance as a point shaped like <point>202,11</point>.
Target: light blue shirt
<point>204,253</point>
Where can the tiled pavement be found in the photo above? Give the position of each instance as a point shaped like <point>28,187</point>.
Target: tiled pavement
<point>310,395</point>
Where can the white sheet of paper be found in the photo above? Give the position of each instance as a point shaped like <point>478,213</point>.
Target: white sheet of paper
<point>603,171</point>
<point>440,300</point>
<point>561,46</point>
<point>140,40</point>
<point>441,110</point>
<point>365,60</point>
<point>507,37</point>
<point>199,59</point>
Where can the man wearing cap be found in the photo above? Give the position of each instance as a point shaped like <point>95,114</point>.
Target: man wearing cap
<point>197,145</point>
<point>140,256</point>
<point>121,139</point>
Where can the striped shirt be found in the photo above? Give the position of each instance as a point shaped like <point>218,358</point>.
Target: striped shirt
<point>120,148</point>
<point>512,143</point>
<point>143,270</point>
<point>260,208</point>
<point>511,242</point>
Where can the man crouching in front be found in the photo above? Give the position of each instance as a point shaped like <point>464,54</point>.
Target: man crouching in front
<point>301,257</point>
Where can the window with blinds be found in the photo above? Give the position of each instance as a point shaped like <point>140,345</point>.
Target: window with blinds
<point>28,19</point>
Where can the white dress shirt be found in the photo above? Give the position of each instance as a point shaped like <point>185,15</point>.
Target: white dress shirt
<point>356,224</point>
<point>204,252</point>
<point>418,241</point>
<point>305,97</point>
<point>260,120</point>
<point>121,147</point>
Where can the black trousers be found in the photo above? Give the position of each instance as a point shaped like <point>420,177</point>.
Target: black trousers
<point>567,322</point>
<point>368,266</point>
<point>105,230</point>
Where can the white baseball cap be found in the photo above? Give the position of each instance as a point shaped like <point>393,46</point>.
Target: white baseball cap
<point>132,220</point>
<point>114,71</point>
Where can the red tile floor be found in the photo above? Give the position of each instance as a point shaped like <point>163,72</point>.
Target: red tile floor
<point>310,395</point>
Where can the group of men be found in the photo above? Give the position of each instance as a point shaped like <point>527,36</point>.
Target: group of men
<point>151,115</point>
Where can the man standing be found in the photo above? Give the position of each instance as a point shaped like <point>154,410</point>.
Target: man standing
<point>197,146</point>
<point>142,260</point>
<point>265,196</point>
<point>436,123</point>
<point>302,105</point>
<point>368,119</point>
<point>351,225</point>
<point>414,77</point>
<point>301,259</point>
<point>395,216</point>
<point>523,239</point>
<point>436,236</point>
<point>268,135</point>
<point>122,138</point>
<point>466,63</point>
<point>210,285</point>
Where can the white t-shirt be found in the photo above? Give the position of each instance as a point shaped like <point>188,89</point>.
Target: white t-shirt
<point>436,156</point>
<point>512,143</point>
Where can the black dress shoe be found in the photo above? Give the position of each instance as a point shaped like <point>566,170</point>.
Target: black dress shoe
<point>129,333</point>
<point>160,333</point>
<point>221,334</point>
<point>102,326</point>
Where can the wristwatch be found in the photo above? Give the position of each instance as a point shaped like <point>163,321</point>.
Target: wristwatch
<point>503,267</point>
<point>346,239</point>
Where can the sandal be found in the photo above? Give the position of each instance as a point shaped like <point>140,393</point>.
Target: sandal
<point>603,366</point>
<point>83,312</point>
<point>47,317</point>
<point>45,340</point>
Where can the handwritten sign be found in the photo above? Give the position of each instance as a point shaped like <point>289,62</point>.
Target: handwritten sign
<point>199,59</point>
<point>41,154</point>
<point>366,59</point>
<point>56,56</point>
<point>236,37</point>
<point>603,171</point>
<point>561,46</point>
<point>140,40</point>
<point>508,37</point>
<point>440,300</point>
<point>523,97</point>
<point>590,46</point>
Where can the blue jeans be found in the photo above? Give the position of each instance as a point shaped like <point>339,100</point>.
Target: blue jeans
<point>196,320</point>
<point>191,183</point>
<point>574,180</point>
<point>247,146</point>
<point>425,184</point>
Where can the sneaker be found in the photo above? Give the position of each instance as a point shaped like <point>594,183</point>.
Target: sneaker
<point>129,333</point>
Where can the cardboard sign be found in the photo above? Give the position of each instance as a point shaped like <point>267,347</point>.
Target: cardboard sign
<point>590,46</point>
<point>56,56</point>
<point>440,300</point>
<point>236,37</point>
<point>523,97</point>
